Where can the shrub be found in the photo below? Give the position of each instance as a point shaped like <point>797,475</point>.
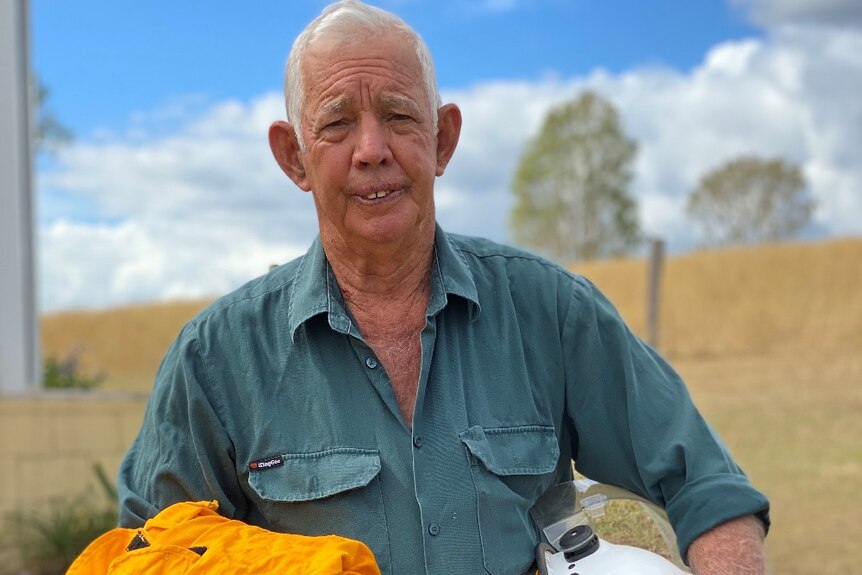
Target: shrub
<point>66,373</point>
<point>49,538</point>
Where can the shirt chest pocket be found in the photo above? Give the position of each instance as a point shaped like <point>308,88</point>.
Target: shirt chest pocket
<point>511,467</point>
<point>336,491</point>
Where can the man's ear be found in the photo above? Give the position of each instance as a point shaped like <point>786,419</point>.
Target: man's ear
<point>285,150</point>
<point>448,132</point>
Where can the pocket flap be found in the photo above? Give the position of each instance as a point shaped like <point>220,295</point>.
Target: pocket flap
<point>308,476</point>
<point>522,450</point>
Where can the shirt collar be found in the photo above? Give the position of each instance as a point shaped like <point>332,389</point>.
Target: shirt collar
<point>451,276</point>
<point>316,291</point>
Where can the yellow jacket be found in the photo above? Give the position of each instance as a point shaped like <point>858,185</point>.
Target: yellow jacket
<point>192,539</point>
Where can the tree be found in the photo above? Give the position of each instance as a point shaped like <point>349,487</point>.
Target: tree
<point>571,186</point>
<point>751,200</point>
<point>48,132</point>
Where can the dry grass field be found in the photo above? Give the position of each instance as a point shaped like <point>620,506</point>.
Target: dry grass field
<point>126,344</point>
<point>769,339</point>
<point>794,425</point>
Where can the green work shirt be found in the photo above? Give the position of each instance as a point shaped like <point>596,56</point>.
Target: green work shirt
<point>271,402</point>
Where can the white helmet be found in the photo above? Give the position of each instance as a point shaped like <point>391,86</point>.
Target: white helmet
<point>568,513</point>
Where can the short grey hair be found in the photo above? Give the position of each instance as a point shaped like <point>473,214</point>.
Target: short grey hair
<point>351,21</point>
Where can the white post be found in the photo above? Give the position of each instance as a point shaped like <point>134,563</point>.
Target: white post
<point>19,347</point>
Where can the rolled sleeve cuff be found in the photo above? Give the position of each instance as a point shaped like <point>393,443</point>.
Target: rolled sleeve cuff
<point>711,501</point>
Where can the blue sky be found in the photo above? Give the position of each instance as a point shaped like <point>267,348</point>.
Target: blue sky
<point>105,60</point>
<point>169,189</point>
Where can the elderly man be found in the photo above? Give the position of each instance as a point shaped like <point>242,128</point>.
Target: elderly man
<point>409,388</point>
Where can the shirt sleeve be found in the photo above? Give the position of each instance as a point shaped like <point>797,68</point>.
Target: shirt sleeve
<point>182,451</point>
<point>637,427</point>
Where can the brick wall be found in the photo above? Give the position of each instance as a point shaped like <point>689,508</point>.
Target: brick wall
<point>50,441</point>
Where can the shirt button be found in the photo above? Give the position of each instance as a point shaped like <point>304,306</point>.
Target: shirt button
<point>417,441</point>
<point>434,529</point>
<point>371,362</point>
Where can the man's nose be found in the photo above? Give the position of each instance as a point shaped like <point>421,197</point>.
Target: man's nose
<point>372,143</point>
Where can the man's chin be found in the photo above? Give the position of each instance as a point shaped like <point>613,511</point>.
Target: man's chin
<point>395,231</point>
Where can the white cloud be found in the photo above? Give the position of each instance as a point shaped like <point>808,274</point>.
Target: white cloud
<point>86,265</point>
<point>193,213</point>
<point>201,209</point>
<point>213,166</point>
<point>793,95</point>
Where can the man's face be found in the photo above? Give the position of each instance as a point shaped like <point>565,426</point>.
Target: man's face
<point>371,150</point>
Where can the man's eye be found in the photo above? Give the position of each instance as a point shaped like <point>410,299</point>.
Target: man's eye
<point>400,117</point>
<point>336,124</point>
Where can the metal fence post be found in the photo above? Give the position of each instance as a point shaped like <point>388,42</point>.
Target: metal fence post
<point>655,265</point>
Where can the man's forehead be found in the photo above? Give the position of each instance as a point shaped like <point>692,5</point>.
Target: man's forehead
<point>386,68</point>
<point>385,99</point>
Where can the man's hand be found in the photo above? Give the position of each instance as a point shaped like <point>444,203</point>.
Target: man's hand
<point>732,548</point>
